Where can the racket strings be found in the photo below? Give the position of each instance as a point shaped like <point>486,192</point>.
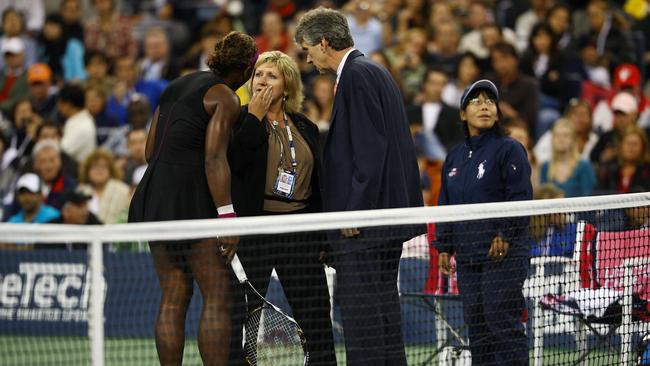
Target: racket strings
<point>273,339</point>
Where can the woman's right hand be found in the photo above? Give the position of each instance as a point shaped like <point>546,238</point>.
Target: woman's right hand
<point>444,264</point>
<point>260,102</point>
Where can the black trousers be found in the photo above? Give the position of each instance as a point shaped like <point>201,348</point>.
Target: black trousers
<point>295,258</point>
<point>366,290</point>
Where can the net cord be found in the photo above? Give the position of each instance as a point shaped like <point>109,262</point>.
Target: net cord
<point>208,228</point>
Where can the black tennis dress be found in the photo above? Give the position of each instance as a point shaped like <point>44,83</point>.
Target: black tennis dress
<point>174,186</point>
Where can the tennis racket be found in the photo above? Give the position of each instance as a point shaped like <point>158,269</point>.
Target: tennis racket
<point>270,336</point>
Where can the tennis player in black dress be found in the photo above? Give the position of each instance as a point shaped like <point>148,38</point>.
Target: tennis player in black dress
<point>188,177</point>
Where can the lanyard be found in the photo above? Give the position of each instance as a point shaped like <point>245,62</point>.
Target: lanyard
<point>292,144</point>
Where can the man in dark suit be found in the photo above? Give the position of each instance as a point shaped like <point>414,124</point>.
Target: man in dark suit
<point>436,125</point>
<point>368,163</point>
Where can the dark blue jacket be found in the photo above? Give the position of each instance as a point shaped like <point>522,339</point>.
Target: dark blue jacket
<point>486,168</point>
<point>369,159</point>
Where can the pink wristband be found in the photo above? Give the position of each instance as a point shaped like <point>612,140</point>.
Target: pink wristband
<point>228,215</point>
<point>226,211</point>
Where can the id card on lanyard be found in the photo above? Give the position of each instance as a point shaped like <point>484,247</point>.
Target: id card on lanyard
<point>285,182</point>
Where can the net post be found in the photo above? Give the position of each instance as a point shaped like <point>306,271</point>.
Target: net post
<point>96,306</point>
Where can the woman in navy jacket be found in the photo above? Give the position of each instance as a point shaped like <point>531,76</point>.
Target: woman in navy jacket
<point>491,255</point>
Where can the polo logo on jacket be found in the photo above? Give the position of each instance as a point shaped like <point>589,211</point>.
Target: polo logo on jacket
<point>481,170</point>
<point>453,172</point>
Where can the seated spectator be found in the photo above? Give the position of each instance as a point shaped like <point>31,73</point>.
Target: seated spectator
<point>13,78</point>
<point>110,196</point>
<point>96,105</point>
<point>444,54</point>
<point>578,112</point>
<point>138,116</point>
<point>109,32</point>
<point>320,101</point>
<point>25,124</point>
<point>467,71</point>
<point>631,168</point>
<point>64,55</point>
<point>435,122</point>
<point>74,211</point>
<point>136,142</point>
<point>537,13</point>
<point>574,176</point>
<point>366,30</point>
<point>626,109</point>
<point>408,58</point>
<point>197,56</point>
<point>637,217</point>
<point>41,92</point>
<point>48,166</point>
<point>79,131</point>
<point>559,19</point>
<point>13,25</point>
<point>30,197</point>
<point>273,36</point>
<point>518,130</point>
<point>97,65</point>
<point>72,12</point>
<point>479,15</point>
<point>553,234</point>
<point>7,179</point>
<point>157,62</point>
<point>518,93</point>
<point>49,130</point>
<point>32,12</point>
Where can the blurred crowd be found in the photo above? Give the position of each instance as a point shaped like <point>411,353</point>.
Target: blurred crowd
<point>81,78</point>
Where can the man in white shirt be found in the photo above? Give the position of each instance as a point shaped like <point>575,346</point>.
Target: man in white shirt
<point>79,133</point>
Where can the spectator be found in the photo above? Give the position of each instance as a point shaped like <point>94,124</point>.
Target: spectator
<point>109,32</point>
<point>138,116</point>
<point>97,65</point>
<point>526,22</point>
<point>574,176</point>
<point>413,15</point>
<point>32,11</point>
<point>110,196</point>
<point>381,58</point>
<point>49,130</point>
<point>13,26</point>
<point>553,234</point>
<point>74,211</point>
<point>274,35</point>
<point>479,16</point>
<point>518,130</point>
<point>7,178</point>
<point>48,166</point>
<point>13,78</point>
<point>626,109</point>
<point>196,58</point>
<point>157,63</point>
<point>71,11</point>
<point>41,93</point>
<point>30,198</point>
<point>136,141</point>
<point>96,105</point>
<point>319,102</point>
<point>579,114</point>
<point>25,123</point>
<point>630,171</point>
<point>408,57</point>
<point>559,19</point>
<point>128,88</point>
<point>436,122</point>
<point>607,34</point>
<point>445,53</point>
<point>367,31</point>
<point>467,71</point>
<point>64,55</point>
<point>519,96</point>
<point>79,132</point>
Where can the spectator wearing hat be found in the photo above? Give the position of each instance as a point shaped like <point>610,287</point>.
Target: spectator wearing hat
<point>79,132</point>
<point>39,78</point>
<point>74,211</point>
<point>30,198</point>
<point>13,78</point>
<point>625,108</point>
<point>48,166</point>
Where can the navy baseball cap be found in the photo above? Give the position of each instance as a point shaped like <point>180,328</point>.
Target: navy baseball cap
<point>483,84</point>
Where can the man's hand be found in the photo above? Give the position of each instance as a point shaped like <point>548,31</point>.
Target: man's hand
<point>444,264</point>
<point>350,233</point>
<point>498,249</point>
<point>228,247</point>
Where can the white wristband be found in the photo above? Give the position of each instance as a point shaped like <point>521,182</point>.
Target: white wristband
<point>227,209</point>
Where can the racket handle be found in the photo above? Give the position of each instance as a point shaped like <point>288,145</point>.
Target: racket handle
<point>238,269</point>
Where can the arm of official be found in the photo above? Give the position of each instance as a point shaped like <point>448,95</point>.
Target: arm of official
<point>444,230</point>
<point>369,144</point>
<point>515,174</point>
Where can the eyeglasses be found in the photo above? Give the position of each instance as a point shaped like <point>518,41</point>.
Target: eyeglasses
<point>479,101</point>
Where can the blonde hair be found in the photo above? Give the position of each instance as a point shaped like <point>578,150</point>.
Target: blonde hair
<point>291,74</point>
<point>95,156</point>
<point>574,153</point>
<point>539,224</point>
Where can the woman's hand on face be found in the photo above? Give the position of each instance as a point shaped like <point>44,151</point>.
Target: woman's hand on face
<point>261,102</point>
<point>498,249</point>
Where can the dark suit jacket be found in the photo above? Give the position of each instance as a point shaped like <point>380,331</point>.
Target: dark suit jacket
<point>448,129</point>
<point>369,159</point>
<point>248,154</point>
